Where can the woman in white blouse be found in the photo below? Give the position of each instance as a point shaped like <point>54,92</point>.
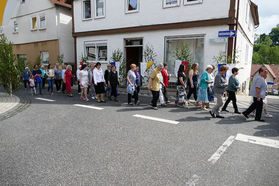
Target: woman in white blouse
<point>99,81</point>
<point>84,82</point>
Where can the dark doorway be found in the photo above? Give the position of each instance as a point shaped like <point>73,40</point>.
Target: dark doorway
<point>134,50</point>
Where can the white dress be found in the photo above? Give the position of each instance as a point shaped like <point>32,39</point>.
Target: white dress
<point>84,78</point>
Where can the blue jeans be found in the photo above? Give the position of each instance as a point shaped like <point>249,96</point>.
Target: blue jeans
<point>40,86</point>
<point>50,85</point>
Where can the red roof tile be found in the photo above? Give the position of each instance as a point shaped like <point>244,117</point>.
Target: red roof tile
<point>61,3</point>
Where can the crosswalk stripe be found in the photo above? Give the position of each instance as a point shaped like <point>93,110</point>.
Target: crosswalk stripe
<point>258,140</point>
<point>87,106</point>
<point>43,99</point>
<point>156,119</point>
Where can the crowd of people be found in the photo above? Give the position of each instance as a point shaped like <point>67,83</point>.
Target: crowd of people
<point>95,83</point>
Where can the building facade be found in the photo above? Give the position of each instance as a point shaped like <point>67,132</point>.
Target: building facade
<point>41,31</point>
<point>102,26</point>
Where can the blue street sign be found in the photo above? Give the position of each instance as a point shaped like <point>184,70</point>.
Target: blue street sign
<point>228,33</point>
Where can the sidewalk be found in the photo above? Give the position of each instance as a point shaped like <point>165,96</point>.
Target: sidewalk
<point>7,102</point>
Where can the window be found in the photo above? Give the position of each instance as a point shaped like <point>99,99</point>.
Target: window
<point>34,24</point>
<point>196,47</point>
<point>100,8</point>
<point>170,3</point>
<point>96,51</point>
<point>23,57</point>
<point>189,2</point>
<point>22,1</point>
<point>87,9</point>
<point>15,27</point>
<point>42,22</point>
<point>247,12</point>
<point>132,6</point>
<point>45,57</point>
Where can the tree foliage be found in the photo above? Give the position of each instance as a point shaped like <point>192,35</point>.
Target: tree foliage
<point>266,48</point>
<point>11,68</point>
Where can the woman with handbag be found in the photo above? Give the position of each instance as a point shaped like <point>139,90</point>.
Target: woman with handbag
<point>131,85</point>
<point>181,87</point>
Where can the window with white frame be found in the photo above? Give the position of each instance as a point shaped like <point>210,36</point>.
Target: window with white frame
<point>15,27</point>
<point>34,23</point>
<point>86,9</point>
<point>42,22</point>
<point>189,2</point>
<point>23,57</point>
<point>100,8</point>
<point>96,51</point>
<point>45,57</point>
<point>132,5</point>
<point>170,3</point>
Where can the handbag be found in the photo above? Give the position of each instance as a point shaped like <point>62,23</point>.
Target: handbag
<point>131,89</point>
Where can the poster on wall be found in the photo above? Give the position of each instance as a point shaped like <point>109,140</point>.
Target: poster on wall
<point>143,67</point>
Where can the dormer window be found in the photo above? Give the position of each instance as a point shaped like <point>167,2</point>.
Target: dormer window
<point>170,3</point>
<point>132,6</point>
<point>190,2</point>
<point>86,9</point>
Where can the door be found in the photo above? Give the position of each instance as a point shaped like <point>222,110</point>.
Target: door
<point>134,50</point>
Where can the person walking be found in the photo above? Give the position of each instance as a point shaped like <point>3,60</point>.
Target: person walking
<point>154,85</point>
<point>37,73</point>
<point>84,82</point>
<point>63,75</point>
<point>113,82</point>
<point>43,70</point>
<point>99,81</point>
<point>32,85</point>
<point>91,80</point>
<point>203,85</point>
<point>211,88</point>
<point>220,84</point>
<point>26,77</point>
<point>258,92</point>
<point>77,75</point>
<point>181,87</point>
<point>192,82</point>
<point>166,78</point>
<point>68,80</point>
<point>58,77</point>
<point>131,85</point>
<point>50,78</point>
<point>108,89</point>
<point>161,95</point>
<point>231,90</point>
<point>138,79</point>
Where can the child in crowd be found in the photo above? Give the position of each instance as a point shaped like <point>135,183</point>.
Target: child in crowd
<point>32,85</point>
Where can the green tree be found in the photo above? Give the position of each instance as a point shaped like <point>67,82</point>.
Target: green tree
<point>274,35</point>
<point>11,68</point>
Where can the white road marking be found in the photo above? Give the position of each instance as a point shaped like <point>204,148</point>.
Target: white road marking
<point>193,180</point>
<point>87,106</point>
<point>215,157</point>
<point>156,119</point>
<point>257,140</point>
<point>43,99</point>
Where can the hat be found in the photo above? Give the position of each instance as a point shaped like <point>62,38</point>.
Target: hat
<point>209,67</point>
<point>26,68</point>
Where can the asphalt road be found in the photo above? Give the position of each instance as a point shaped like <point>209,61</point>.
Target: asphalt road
<point>59,143</point>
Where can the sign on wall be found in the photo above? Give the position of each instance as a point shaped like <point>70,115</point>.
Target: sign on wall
<point>227,33</point>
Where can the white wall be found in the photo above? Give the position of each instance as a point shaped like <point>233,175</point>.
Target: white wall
<point>156,39</point>
<point>64,32</point>
<point>25,34</point>
<point>150,12</point>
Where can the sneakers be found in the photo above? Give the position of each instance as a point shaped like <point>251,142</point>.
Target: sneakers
<point>212,114</point>
<point>245,115</point>
<point>155,108</point>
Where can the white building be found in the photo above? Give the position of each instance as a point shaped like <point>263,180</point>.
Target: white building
<point>101,26</point>
<point>40,30</point>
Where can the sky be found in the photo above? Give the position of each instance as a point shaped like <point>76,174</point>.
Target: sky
<point>269,15</point>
